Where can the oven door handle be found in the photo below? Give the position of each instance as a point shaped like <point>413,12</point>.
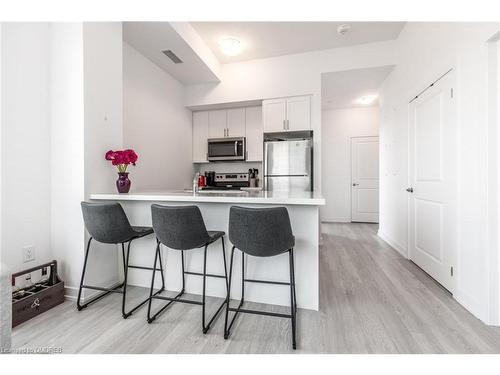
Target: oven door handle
<point>235,148</point>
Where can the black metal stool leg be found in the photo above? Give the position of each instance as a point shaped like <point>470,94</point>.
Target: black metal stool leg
<point>292,299</point>
<point>153,282</point>
<point>162,275</point>
<point>80,307</point>
<point>124,314</point>
<point>227,328</point>
<point>228,296</point>
<point>153,295</point>
<point>206,327</point>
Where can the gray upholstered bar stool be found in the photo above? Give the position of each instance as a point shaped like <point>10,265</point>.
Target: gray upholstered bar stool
<point>107,223</point>
<point>261,232</point>
<point>182,228</point>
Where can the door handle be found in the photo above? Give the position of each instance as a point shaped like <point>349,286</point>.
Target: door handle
<point>409,190</point>
<point>355,184</point>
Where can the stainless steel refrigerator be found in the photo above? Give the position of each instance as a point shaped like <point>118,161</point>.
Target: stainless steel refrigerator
<point>288,161</point>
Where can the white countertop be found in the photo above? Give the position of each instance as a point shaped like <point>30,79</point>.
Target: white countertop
<point>259,197</point>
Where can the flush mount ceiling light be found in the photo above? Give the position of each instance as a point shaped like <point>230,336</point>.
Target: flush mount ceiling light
<point>230,46</point>
<point>367,99</point>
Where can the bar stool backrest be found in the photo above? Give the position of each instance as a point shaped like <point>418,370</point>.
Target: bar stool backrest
<point>179,227</point>
<point>261,232</point>
<point>107,222</point>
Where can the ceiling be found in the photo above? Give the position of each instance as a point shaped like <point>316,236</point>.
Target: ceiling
<point>342,89</point>
<point>269,39</point>
<point>151,38</point>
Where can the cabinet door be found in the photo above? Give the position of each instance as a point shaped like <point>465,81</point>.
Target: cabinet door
<point>235,122</point>
<point>273,113</point>
<point>200,135</point>
<point>254,133</point>
<point>298,113</point>
<point>217,124</point>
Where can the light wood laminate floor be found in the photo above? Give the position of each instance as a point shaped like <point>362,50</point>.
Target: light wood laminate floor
<point>372,300</point>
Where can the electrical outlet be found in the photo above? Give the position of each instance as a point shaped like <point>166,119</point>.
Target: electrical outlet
<point>28,253</point>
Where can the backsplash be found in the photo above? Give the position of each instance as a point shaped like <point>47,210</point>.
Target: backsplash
<point>228,167</point>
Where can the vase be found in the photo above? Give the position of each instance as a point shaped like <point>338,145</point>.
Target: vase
<point>123,183</point>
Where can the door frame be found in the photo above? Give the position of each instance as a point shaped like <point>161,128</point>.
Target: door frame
<point>451,72</point>
<point>350,171</point>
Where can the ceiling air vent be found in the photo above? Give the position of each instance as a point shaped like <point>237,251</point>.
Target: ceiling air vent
<point>172,56</point>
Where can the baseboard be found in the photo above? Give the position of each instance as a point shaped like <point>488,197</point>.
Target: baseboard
<point>71,292</point>
<point>337,220</point>
<point>400,249</point>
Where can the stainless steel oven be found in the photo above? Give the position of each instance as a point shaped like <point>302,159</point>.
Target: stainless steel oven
<point>226,149</point>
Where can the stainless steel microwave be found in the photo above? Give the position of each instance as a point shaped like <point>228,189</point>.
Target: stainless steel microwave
<point>226,149</point>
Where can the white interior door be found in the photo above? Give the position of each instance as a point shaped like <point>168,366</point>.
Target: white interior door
<point>432,178</point>
<point>365,179</point>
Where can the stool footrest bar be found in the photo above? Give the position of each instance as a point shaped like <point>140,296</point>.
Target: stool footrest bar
<point>267,282</point>
<point>144,268</point>
<point>109,290</point>
<point>174,299</point>
<point>201,274</point>
<point>257,312</point>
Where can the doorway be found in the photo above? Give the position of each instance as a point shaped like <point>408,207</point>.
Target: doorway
<point>365,179</point>
<point>432,189</point>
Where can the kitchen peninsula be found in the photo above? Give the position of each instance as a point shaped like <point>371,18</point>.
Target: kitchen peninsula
<point>303,208</point>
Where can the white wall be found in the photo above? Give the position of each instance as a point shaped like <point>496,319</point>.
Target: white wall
<point>427,50</point>
<point>103,124</point>
<point>290,75</point>
<point>25,143</point>
<point>67,150</point>
<point>156,125</point>
<point>338,126</point>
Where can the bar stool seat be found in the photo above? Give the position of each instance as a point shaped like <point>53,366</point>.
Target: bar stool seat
<point>260,232</point>
<point>108,224</point>
<point>182,228</point>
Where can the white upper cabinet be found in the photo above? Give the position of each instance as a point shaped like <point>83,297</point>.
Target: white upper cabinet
<point>200,135</point>
<point>235,122</point>
<point>217,124</point>
<point>254,133</point>
<point>287,114</point>
<point>298,113</point>
<point>274,115</point>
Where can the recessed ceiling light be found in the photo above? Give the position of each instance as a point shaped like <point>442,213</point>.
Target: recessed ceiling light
<point>367,99</point>
<point>230,46</point>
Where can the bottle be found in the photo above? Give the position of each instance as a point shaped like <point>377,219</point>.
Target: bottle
<point>195,182</point>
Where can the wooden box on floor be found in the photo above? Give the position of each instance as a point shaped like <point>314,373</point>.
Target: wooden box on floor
<point>39,298</point>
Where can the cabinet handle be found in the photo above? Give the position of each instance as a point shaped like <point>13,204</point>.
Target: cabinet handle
<point>227,130</point>
<point>287,124</point>
<point>224,132</point>
<point>284,124</point>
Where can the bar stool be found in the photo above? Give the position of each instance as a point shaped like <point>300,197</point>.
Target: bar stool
<point>261,232</point>
<point>107,223</point>
<point>182,228</point>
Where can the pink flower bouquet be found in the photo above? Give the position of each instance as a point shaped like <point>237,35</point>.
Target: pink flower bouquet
<point>122,159</point>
